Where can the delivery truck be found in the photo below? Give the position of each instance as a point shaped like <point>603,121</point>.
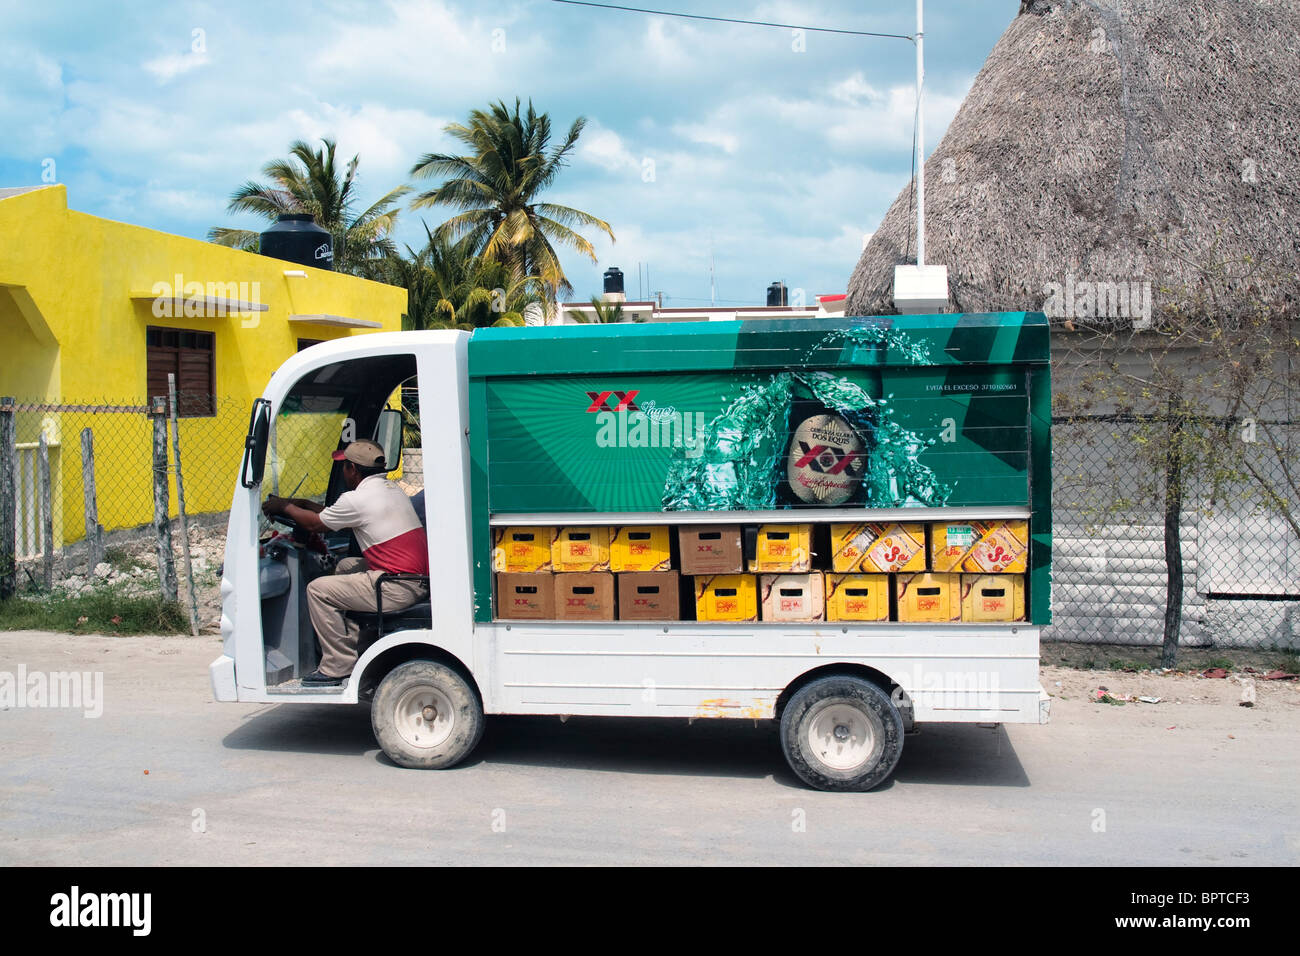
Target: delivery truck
<point>841,526</point>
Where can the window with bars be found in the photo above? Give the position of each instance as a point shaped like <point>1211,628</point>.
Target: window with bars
<point>191,357</point>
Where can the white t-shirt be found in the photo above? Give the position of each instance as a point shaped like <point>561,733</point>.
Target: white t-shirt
<point>388,531</point>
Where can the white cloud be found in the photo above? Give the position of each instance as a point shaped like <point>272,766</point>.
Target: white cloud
<point>854,90</point>
<point>708,135</point>
<point>167,68</point>
<point>606,149</point>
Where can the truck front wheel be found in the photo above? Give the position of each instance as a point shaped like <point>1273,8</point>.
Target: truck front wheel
<point>841,733</point>
<point>425,716</point>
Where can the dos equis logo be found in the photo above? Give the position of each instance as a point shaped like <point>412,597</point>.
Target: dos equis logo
<point>827,460</point>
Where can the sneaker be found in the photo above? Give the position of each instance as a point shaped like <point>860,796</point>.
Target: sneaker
<point>317,679</point>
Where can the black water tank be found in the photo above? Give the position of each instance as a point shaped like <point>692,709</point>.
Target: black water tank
<point>613,279</point>
<point>776,294</point>
<point>295,237</point>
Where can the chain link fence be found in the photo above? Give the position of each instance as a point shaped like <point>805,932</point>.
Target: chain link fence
<point>88,482</point>
<point>1241,556</point>
<point>1240,553</point>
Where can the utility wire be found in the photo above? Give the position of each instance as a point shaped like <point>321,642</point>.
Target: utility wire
<point>752,23</point>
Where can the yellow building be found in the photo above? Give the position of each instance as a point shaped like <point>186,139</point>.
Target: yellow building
<point>96,313</point>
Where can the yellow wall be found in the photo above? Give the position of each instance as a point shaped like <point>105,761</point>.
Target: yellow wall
<point>79,272</point>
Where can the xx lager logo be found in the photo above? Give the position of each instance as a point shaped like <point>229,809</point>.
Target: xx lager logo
<point>626,401</point>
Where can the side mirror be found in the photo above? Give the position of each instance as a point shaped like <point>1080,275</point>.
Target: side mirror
<point>388,436</point>
<point>259,426</point>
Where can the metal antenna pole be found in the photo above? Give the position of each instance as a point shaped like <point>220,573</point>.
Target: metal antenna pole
<point>920,138</point>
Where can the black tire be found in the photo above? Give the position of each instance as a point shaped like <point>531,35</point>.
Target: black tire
<point>397,716</point>
<point>872,710</point>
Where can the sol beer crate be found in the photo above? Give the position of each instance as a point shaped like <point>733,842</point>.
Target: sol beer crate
<point>980,547</point>
<point>726,597</point>
<point>584,596</point>
<point>992,597</point>
<point>857,597</point>
<point>872,548</point>
<point>526,596</point>
<point>640,548</point>
<point>520,550</point>
<point>783,547</point>
<point>649,596</point>
<point>710,549</point>
<point>928,597</point>
<point>581,549</point>
<point>792,597</point>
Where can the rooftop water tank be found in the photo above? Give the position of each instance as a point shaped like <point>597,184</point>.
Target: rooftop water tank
<point>613,279</point>
<point>295,237</point>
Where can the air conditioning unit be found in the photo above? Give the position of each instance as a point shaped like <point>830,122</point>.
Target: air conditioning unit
<point>920,289</point>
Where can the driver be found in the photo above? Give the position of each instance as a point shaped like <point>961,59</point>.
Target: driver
<point>391,539</point>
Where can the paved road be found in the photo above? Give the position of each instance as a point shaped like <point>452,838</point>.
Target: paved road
<point>283,784</point>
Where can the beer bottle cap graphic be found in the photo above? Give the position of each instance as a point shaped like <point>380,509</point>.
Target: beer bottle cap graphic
<point>826,460</point>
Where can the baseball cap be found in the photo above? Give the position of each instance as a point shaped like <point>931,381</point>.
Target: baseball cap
<point>364,453</point>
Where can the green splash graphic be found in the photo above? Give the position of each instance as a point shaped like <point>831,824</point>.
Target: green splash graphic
<point>743,459</point>
<point>874,337</point>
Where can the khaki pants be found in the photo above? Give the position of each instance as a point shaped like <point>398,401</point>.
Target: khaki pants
<point>351,588</point>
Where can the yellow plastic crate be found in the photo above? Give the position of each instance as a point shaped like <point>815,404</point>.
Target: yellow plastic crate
<point>522,550</point>
<point>928,597</point>
<point>726,597</point>
<point>857,597</point>
<point>640,548</point>
<point>992,597</point>
<point>783,547</point>
<point>581,549</point>
<point>792,597</point>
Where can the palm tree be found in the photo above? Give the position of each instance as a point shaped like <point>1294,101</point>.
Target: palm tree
<point>449,287</point>
<point>606,312</point>
<point>495,188</point>
<point>308,182</point>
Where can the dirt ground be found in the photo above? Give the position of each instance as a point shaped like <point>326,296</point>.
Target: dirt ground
<point>130,565</point>
<point>1217,703</point>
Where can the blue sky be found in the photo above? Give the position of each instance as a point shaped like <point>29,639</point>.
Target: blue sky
<point>771,159</point>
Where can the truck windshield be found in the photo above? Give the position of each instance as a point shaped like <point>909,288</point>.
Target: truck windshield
<point>327,408</point>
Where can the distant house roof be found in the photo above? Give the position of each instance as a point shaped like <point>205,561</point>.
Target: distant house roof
<point>1116,141</point>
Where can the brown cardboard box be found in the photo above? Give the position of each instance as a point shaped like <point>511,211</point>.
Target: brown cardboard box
<point>710,549</point>
<point>526,597</point>
<point>993,547</point>
<point>878,548</point>
<point>649,596</point>
<point>585,596</point>
<point>792,597</point>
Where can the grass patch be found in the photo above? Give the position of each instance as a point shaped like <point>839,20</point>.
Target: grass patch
<point>1217,662</point>
<point>118,557</point>
<point>1120,664</point>
<point>1288,661</point>
<point>104,612</point>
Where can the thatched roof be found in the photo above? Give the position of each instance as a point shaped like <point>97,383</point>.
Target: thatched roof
<point>1113,140</point>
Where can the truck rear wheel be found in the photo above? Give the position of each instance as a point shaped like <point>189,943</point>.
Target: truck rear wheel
<point>425,716</point>
<point>841,733</point>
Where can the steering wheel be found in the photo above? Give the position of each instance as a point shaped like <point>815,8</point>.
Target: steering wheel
<point>284,520</point>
